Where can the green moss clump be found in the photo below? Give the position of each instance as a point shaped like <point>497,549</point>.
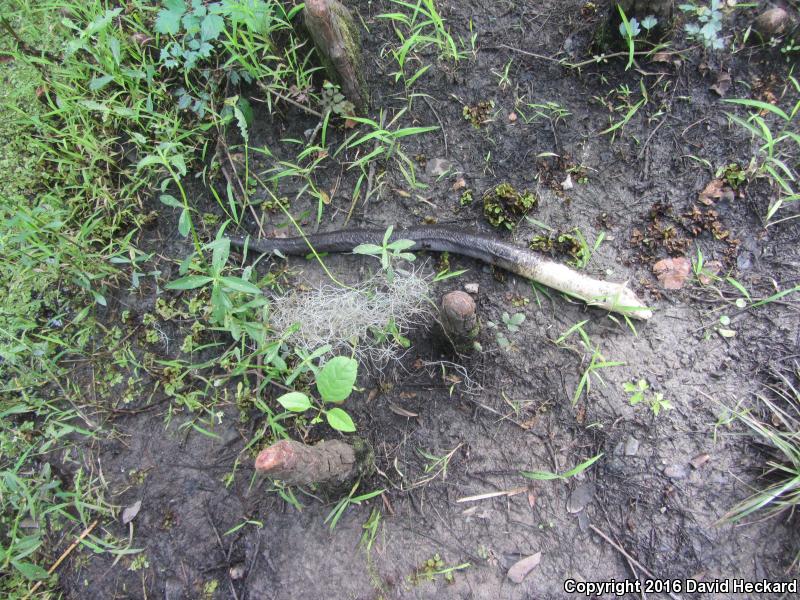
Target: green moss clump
<point>466,198</point>
<point>503,205</point>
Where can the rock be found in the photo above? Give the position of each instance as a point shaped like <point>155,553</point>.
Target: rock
<point>471,288</point>
<point>521,568</point>
<point>436,167</point>
<point>580,497</point>
<point>675,471</point>
<point>772,22</point>
<point>631,447</point>
<point>699,460</point>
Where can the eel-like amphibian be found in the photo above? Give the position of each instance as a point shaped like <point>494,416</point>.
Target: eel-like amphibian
<point>615,297</point>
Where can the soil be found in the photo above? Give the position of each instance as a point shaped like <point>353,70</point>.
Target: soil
<point>504,409</point>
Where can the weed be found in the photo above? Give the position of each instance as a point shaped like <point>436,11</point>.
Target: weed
<point>708,24</point>
<point>630,28</point>
<point>334,381</point>
<point>349,500</point>
<point>549,476</point>
<point>778,150</point>
<point>779,434</point>
<point>503,205</point>
<point>388,252</point>
<point>640,392</point>
<point>435,566</point>
<point>596,360</point>
<point>548,111</point>
<point>386,148</point>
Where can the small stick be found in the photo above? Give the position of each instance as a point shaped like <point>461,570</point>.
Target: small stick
<point>63,556</point>
<point>632,560</point>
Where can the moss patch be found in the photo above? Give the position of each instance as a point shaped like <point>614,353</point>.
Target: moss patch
<point>503,205</point>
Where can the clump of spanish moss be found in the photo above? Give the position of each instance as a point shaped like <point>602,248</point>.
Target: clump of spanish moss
<point>369,319</point>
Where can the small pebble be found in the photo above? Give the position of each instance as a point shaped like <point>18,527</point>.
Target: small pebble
<point>631,447</point>
<point>471,288</point>
<point>436,167</point>
<point>675,471</point>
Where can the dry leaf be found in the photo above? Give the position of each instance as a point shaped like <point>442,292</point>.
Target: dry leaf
<point>672,272</point>
<point>129,514</point>
<point>349,123</point>
<point>399,410</point>
<point>521,568</point>
<point>460,184</point>
<point>710,270</point>
<point>722,84</point>
<point>512,117</point>
<point>715,190</point>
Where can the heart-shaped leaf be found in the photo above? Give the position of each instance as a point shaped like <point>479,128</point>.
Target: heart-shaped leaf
<point>340,420</point>
<point>336,380</point>
<point>295,402</point>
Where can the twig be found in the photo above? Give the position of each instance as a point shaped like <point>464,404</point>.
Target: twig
<point>441,126</point>
<point>63,556</point>
<point>632,560</point>
<point>309,110</point>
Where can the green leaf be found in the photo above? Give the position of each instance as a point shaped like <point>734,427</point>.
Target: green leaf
<point>370,249</point>
<point>184,223</point>
<point>211,27</point>
<point>240,285</point>
<point>541,475</point>
<point>581,467</point>
<point>340,420</point>
<point>168,20</point>
<point>400,245</point>
<point>337,378</point>
<point>30,570</point>
<point>190,282</point>
<point>295,402</point>
<point>170,201</point>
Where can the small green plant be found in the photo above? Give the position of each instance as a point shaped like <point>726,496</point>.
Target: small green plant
<point>386,148</point>
<point>503,205</point>
<point>779,435</point>
<point>596,360</point>
<point>547,111</point>
<point>640,392</point>
<point>503,78</point>
<point>227,292</point>
<point>478,114</point>
<point>350,500</point>
<point>436,566</point>
<point>549,476</point>
<point>708,25</point>
<point>624,93</point>
<point>335,381</point>
<point>630,28</point>
<point>388,252</point>
<point>513,322</point>
<point>779,150</point>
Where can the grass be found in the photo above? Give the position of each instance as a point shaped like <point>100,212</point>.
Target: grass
<point>780,147</point>
<point>778,431</point>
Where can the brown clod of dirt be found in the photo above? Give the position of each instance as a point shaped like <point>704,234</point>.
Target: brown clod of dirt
<point>672,272</point>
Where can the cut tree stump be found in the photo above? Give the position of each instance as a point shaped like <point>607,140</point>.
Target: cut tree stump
<point>296,463</point>
<point>336,37</point>
<point>460,319</point>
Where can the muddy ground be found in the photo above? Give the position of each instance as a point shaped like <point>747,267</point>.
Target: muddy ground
<point>509,409</point>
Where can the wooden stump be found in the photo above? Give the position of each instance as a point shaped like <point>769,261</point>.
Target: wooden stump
<point>460,319</point>
<point>336,37</point>
<point>296,463</point>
